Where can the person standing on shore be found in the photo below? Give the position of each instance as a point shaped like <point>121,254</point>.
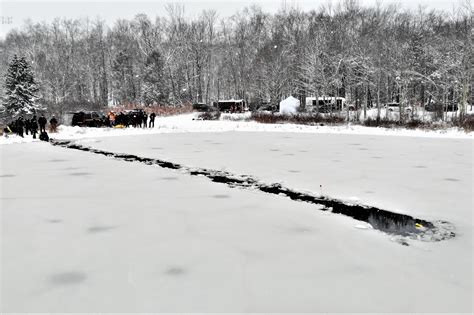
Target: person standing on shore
<point>152,120</point>
<point>53,123</point>
<point>34,126</point>
<point>42,123</point>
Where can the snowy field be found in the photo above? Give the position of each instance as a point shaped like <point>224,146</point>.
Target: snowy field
<point>88,233</point>
<point>236,122</point>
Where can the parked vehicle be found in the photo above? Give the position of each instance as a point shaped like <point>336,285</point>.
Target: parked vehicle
<point>89,119</point>
<point>202,107</point>
<point>136,111</point>
<point>268,108</point>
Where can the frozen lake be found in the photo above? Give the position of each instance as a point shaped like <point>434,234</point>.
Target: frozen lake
<point>88,233</point>
<point>428,177</point>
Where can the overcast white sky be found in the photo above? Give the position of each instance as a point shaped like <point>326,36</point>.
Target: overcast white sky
<point>14,12</point>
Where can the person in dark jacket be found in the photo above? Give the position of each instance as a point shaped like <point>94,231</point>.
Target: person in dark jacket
<point>27,126</point>
<point>20,124</point>
<point>152,120</point>
<point>34,126</point>
<point>53,124</point>
<point>144,119</point>
<point>42,123</point>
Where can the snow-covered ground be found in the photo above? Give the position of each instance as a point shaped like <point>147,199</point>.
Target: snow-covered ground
<point>236,122</point>
<point>88,233</point>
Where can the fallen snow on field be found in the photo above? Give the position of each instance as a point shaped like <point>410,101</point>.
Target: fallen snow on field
<point>235,122</point>
<point>82,232</point>
<point>88,233</point>
<point>188,123</point>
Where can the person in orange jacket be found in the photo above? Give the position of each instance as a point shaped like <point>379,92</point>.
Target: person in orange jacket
<point>112,117</point>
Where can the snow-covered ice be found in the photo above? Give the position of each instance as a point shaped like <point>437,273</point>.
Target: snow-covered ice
<point>88,233</point>
<point>420,176</point>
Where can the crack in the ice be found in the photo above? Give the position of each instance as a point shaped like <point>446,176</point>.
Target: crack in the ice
<point>397,224</point>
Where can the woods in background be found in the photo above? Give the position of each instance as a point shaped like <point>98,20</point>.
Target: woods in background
<point>368,55</point>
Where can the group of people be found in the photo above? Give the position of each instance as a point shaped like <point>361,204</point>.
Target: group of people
<point>23,126</point>
<point>137,119</point>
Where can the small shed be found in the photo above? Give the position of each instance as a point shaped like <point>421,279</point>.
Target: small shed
<point>289,105</point>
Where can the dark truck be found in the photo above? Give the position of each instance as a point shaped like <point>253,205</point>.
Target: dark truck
<point>90,119</point>
<point>202,107</point>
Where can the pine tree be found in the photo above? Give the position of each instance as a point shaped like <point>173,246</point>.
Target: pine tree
<point>20,89</point>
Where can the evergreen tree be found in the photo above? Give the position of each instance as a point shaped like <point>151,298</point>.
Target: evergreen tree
<point>20,89</point>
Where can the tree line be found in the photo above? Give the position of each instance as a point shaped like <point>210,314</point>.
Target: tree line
<point>370,55</point>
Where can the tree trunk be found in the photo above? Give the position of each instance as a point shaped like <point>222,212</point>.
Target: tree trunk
<point>378,101</point>
<point>366,101</point>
